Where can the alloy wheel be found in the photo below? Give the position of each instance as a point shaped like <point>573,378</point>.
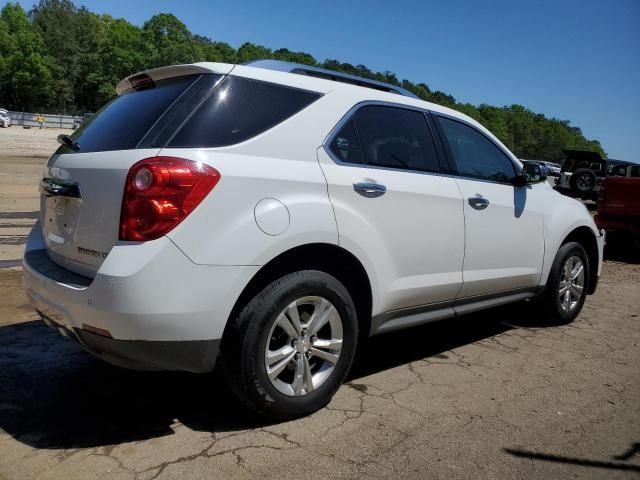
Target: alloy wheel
<point>571,286</point>
<point>303,346</point>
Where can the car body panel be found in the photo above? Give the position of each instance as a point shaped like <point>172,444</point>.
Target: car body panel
<point>504,245</point>
<point>140,293</point>
<point>414,232</point>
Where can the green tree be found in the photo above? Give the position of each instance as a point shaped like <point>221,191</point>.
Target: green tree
<point>121,53</point>
<point>168,41</point>
<point>25,76</point>
<point>250,51</point>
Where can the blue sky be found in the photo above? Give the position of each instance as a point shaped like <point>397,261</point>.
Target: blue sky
<point>570,59</point>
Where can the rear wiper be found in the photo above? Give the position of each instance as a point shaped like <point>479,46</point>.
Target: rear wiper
<point>67,141</point>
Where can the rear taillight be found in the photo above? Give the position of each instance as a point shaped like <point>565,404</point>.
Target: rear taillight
<point>160,192</point>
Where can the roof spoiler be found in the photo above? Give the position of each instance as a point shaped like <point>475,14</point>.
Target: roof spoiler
<point>147,77</point>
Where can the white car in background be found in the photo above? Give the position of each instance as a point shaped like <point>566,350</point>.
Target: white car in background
<point>553,168</point>
<point>268,217</point>
<point>5,119</point>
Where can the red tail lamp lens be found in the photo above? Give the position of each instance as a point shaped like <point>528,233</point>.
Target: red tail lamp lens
<point>160,192</point>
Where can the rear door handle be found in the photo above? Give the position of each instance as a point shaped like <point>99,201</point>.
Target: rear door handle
<point>370,190</point>
<point>478,203</point>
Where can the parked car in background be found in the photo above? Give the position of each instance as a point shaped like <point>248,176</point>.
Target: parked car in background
<point>79,121</point>
<point>550,169</point>
<point>581,174</point>
<point>619,203</point>
<point>5,119</point>
<point>553,169</point>
<point>266,217</point>
<point>540,163</point>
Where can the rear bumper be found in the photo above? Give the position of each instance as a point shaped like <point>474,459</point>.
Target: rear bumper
<point>197,356</point>
<point>148,307</point>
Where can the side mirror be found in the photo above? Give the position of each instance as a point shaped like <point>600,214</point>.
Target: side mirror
<point>531,173</point>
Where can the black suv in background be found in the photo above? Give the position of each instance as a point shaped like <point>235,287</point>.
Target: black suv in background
<point>582,173</point>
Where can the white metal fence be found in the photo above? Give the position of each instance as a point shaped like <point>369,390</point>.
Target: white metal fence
<point>50,120</point>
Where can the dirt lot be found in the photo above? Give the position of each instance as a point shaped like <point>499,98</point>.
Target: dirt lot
<point>493,395</point>
<point>22,155</point>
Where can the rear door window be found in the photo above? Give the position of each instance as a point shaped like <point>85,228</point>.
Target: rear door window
<point>239,109</point>
<point>396,138</point>
<point>123,122</point>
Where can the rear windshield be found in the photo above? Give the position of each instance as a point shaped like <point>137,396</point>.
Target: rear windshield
<point>123,122</point>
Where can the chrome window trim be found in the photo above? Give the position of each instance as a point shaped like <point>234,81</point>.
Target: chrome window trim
<point>326,144</point>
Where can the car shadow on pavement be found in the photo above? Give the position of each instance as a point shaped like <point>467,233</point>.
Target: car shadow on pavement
<point>55,395</point>
<point>584,462</point>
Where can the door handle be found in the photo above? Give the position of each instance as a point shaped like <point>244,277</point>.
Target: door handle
<point>369,190</point>
<point>479,203</point>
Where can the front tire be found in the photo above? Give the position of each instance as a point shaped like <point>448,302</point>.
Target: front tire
<point>566,288</point>
<point>291,346</point>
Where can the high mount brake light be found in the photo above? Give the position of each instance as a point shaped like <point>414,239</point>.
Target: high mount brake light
<point>142,82</point>
<point>160,192</point>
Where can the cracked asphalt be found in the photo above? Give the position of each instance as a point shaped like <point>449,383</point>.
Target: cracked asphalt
<point>493,395</point>
<point>489,395</point>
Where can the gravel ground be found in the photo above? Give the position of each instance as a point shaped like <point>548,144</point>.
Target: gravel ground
<point>23,154</point>
<point>490,395</point>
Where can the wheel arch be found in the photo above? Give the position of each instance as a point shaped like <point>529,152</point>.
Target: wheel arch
<point>331,259</point>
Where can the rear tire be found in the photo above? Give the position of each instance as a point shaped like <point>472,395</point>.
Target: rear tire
<point>291,346</point>
<point>566,288</point>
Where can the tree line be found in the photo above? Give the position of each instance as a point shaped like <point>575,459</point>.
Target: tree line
<point>61,58</point>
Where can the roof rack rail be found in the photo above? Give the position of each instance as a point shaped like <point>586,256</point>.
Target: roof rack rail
<point>298,68</point>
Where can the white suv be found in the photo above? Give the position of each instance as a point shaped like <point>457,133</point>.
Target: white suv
<point>266,217</point>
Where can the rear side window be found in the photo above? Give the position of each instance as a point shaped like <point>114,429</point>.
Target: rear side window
<point>239,109</point>
<point>474,154</point>
<point>123,122</point>
<point>396,138</point>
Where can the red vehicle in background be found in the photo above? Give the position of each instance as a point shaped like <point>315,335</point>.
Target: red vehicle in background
<point>619,205</point>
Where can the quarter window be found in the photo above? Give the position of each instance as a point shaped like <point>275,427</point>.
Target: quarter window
<point>396,138</point>
<point>474,154</point>
<point>239,109</point>
<point>345,144</point>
